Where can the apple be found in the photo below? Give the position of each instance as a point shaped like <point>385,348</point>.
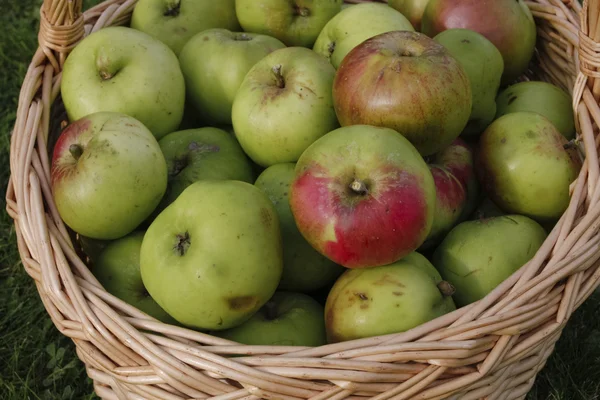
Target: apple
<point>283,105</point>
<point>108,174</point>
<point>354,25</point>
<point>456,189</point>
<point>386,299</point>
<point>411,9</point>
<point>508,24</point>
<point>476,256</point>
<point>407,82</point>
<point>524,167</point>
<point>202,154</point>
<point>484,66</point>
<point>118,270</point>
<point>287,319</point>
<point>304,268</point>
<point>294,22</point>
<point>213,257</point>
<point>363,196</point>
<point>212,82</point>
<point>543,98</point>
<point>123,70</point>
<point>174,22</point>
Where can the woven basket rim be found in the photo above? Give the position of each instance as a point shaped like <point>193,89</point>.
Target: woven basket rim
<point>494,347</point>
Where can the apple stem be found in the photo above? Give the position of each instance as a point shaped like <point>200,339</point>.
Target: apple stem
<point>76,151</point>
<point>359,187</point>
<point>105,75</point>
<point>172,8</point>
<point>278,76</point>
<point>446,288</point>
<point>182,244</point>
<point>302,11</point>
<point>270,310</point>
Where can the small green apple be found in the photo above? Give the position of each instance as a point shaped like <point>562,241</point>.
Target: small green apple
<point>174,22</point>
<point>354,25</point>
<point>540,97</point>
<point>212,82</point>
<point>283,105</point>
<point>525,167</point>
<point>108,174</point>
<point>387,299</point>
<point>118,270</point>
<point>213,257</point>
<point>294,22</point>
<point>202,154</point>
<point>123,70</point>
<point>476,256</point>
<point>287,319</point>
<point>304,268</point>
<point>484,65</point>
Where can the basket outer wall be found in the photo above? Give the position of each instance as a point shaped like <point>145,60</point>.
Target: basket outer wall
<point>491,349</point>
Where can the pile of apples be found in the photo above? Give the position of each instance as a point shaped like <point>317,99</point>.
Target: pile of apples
<point>302,172</point>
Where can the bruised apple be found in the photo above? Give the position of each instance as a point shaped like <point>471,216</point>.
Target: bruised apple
<point>407,82</point>
<point>363,196</point>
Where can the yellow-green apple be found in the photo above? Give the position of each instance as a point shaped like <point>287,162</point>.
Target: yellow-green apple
<point>411,9</point>
<point>120,69</point>
<point>543,98</point>
<point>287,319</point>
<point>304,268</point>
<point>294,22</point>
<point>354,25</point>
<point>508,24</point>
<point>174,22</point>
<point>386,299</point>
<point>455,186</point>
<point>363,196</point>
<point>107,175</point>
<point>407,82</point>
<point>212,81</point>
<point>283,105</point>
<point>476,256</point>
<point>202,154</point>
<point>213,257</point>
<point>524,166</point>
<point>484,65</point>
<point>118,269</point>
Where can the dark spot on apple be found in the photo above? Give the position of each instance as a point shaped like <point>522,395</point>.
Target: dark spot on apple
<point>503,140</point>
<point>173,9</point>
<point>465,41</point>
<point>242,303</point>
<point>206,38</point>
<point>220,321</point>
<point>301,11</point>
<point>364,306</point>
<point>265,217</point>
<point>182,243</point>
<point>397,293</point>
<point>243,37</point>
<point>511,99</point>
<point>331,48</point>
<point>388,280</point>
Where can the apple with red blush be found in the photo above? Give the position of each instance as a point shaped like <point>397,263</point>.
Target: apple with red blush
<point>363,196</point>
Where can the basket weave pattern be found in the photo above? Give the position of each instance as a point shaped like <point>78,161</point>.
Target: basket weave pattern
<point>492,349</point>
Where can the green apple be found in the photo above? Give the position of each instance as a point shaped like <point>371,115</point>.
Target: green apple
<point>123,70</point>
<point>387,299</point>
<point>525,167</point>
<point>212,82</point>
<point>174,22</point>
<point>287,319</point>
<point>107,176</point>
<point>484,65</point>
<point>294,22</point>
<point>476,256</point>
<point>213,257</point>
<point>540,97</point>
<point>283,105</point>
<point>304,268</point>
<point>411,9</point>
<point>202,154</point>
<point>118,270</point>
<point>354,25</point>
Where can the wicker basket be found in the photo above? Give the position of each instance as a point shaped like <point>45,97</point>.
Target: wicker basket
<point>492,349</point>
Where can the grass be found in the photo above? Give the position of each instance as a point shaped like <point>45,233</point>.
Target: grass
<point>36,362</point>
